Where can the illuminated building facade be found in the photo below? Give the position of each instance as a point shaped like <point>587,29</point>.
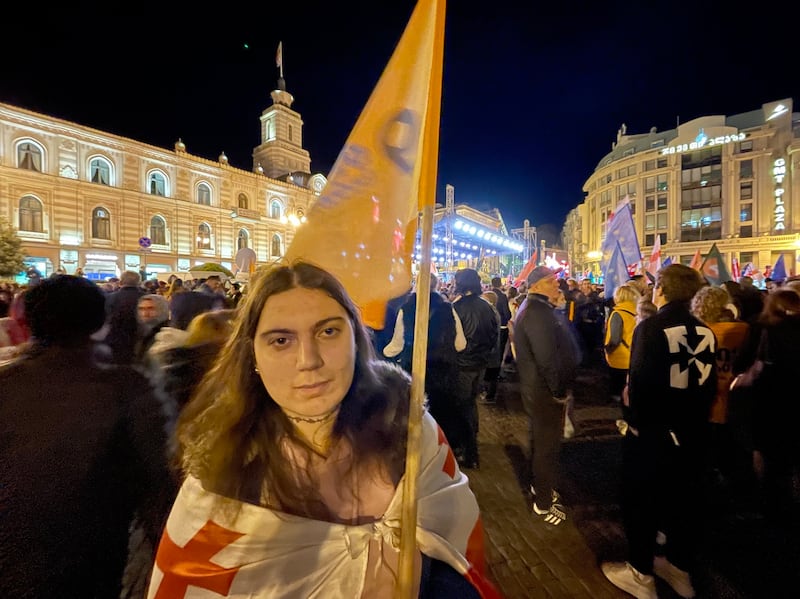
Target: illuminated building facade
<point>729,180</point>
<point>82,198</point>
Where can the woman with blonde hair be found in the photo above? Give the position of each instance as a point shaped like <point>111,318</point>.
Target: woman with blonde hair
<point>618,338</point>
<point>293,449</point>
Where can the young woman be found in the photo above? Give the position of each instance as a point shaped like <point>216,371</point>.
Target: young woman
<point>294,449</point>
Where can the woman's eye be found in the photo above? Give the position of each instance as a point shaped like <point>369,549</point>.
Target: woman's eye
<point>329,331</point>
<point>279,341</point>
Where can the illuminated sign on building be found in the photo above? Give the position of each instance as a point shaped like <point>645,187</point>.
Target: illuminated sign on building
<point>778,174</point>
<point>703,141</point>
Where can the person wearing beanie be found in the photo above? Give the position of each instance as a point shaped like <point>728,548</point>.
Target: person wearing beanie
<point>546,363</point>
<point>481,330</point>
<point>84,449</point>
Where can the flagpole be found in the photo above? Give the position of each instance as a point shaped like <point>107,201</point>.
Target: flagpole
<point>408,532</point>
<point>429,161</point>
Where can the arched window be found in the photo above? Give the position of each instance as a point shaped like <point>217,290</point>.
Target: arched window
<point>100,171</point>
<point>157,184</point>
<point>203,239</point>
<point>158,230</point>
<point>275,209</point>
<point>29,156</point>
<point>101,224</point>
<point>276,246</point>
<point>203,194</point>
<point>242,240</point>
<point>30,215</point>
<point>243,201</point>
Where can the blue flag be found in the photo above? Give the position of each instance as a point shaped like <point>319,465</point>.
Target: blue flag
<point>667,261</point>
<point>622,231</point>
<point>779,270</point>
<point>616,273</point>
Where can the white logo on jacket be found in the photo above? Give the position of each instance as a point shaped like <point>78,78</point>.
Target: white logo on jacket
<point>686,355</point>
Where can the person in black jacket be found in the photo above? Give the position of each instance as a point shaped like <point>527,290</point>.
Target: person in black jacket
<point>480,329</point>
<point>672,382</point>
<point>84,448</point>
<point>546,362</point>
<point>445,340</point>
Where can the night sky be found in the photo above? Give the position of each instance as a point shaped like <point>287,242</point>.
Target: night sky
<point>533,95</point>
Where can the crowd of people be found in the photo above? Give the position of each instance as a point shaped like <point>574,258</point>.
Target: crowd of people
<point>158,416</point>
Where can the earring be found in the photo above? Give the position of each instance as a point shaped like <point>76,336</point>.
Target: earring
<point>256,370</point>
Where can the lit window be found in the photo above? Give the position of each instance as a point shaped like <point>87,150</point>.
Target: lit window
<point>100,171</point>
<point>243,201</point>
<point>276,246</point>
<point>203,194</point>
<point>101,224</point>
<point>275,209</point>
<point>30,215</point>
<point>203,238</point>
<point>242,239</point>
<point>157,184</point>
<point>158,231</point>
<point>29,156</point>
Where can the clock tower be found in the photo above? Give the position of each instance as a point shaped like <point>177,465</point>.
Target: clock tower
<point>281,150</point>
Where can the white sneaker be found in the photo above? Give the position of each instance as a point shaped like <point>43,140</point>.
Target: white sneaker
<point>553,516</point>
<point>624,576</point>
<point>674,577</point>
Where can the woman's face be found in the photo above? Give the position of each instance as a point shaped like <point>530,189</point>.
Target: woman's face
<point>305,351</point>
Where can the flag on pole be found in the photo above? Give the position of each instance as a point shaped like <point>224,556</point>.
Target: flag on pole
<point>363,226</point>
<point>779,269</point>
<point>279,55</point>
<point>748,269</point>
<point>655,257</point>
<point>622,230</point>
<point>526,270</point>
<point>713,267</point>
<point>667,261</point>
<point>616,273</point>
<point>735,268</point>
<point>697,261</point>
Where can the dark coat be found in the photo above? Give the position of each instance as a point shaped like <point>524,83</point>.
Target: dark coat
<point>481,330</point>
<point>83,448</point>
<point>183,307</point>
<point>121,307</point>
<point>673,376</point>
<point>546,356</point>
<point>441,364</point>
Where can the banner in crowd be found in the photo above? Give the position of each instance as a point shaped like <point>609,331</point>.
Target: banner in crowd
<point>621,230</point>
<point>713,267</point>
<point>779,270</point>
<point>363,226</point>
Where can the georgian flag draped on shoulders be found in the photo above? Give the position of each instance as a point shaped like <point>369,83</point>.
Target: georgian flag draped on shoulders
<point>269,554</point>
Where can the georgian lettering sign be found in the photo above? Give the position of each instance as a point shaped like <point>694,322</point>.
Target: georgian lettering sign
<point>703,141</point>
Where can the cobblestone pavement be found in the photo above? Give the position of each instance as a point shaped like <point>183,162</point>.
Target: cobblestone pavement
<point>741,558</point>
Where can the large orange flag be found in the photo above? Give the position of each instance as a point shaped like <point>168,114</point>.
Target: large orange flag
<point>362,228</point>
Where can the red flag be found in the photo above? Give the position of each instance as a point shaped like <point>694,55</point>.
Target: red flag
<point>655,257</point>
<point>697,261</point>
<point>526,270</point>
<point>735,268</point>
